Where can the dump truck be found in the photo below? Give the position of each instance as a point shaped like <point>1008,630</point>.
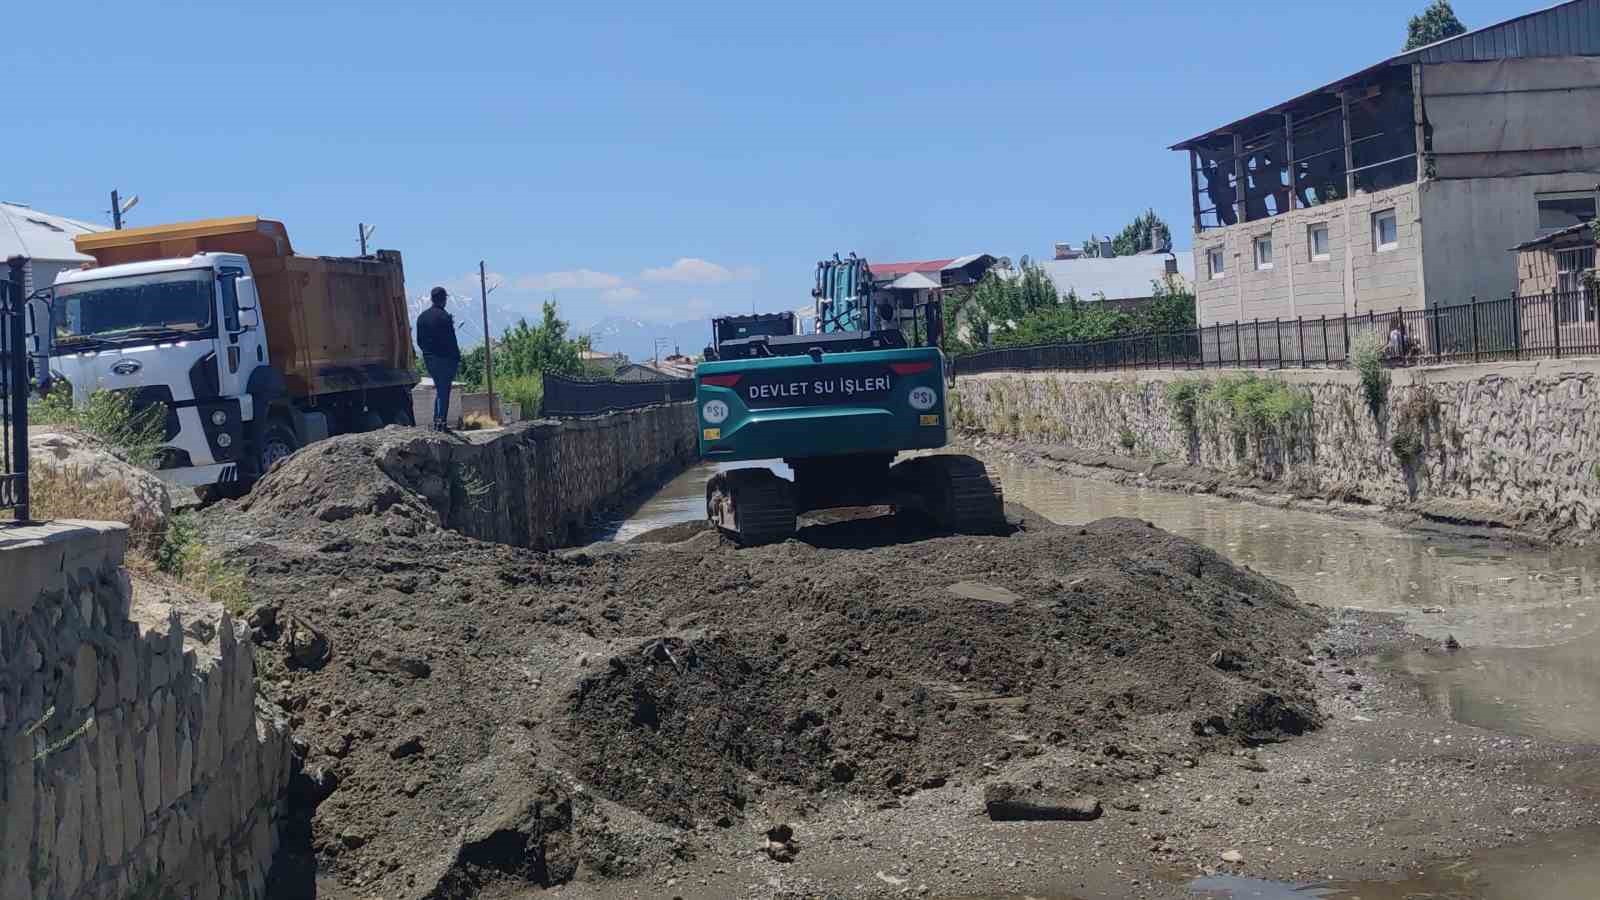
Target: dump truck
<point>838,406</point>
<point>249,350</point>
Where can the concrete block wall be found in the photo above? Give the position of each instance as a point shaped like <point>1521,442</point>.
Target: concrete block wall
<point>1355,278</point>
<point>130,764</point>
<point>1512,443</point>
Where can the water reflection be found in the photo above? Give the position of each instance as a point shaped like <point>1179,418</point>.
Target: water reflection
<point>683,499</point>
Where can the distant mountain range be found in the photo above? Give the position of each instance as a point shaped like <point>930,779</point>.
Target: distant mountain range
<point>469,319</point>
<point>636,339</point>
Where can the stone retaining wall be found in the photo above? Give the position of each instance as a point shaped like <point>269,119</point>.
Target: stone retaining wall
<point>130,765</point>
<point>1514,444</point>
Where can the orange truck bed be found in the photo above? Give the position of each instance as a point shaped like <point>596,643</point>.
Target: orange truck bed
<point>333,323</point>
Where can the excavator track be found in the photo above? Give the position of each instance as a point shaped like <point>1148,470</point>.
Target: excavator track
<point>955,491</point>
<point>754,506</point>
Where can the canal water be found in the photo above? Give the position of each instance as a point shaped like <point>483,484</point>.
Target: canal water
<point>1528,619</point>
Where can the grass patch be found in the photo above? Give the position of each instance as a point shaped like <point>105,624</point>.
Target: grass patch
<point>186,559</point>
<point>109,419</point>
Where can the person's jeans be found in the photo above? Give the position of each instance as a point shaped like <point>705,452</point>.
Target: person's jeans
<point>442,369</point>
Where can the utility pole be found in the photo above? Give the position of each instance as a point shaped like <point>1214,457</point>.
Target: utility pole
<point>116,211</point>
<point>659,342</point>
<point>361,228</point>
<point>488,343</point>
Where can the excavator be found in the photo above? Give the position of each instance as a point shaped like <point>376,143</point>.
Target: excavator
<point>837,405</point>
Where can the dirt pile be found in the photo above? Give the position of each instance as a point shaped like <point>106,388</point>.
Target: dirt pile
<point>484,714</point>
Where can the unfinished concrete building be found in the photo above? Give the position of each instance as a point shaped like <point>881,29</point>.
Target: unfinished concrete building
<point>1402,185</point>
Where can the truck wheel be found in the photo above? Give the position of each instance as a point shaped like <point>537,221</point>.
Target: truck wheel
<point>277,442</point>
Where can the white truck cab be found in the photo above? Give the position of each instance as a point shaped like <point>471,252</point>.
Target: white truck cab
<point>185,333</point>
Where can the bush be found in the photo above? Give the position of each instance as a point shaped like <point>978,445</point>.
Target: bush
<point>1367,351</point>
<point>188,561</point>
<point>1183,396</point>
<point>1253,403</point>
<point>1126,437</point>
<point>526,390</point>
<point>109,418</point>
<point>1407,446</point>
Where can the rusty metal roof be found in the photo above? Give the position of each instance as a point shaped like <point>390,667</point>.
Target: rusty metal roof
<point>1566,29</point>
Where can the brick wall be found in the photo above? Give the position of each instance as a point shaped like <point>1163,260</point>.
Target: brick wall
<point>135,761</point>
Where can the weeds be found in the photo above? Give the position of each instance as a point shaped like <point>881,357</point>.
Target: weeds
<point>1125,436</point>
<point>525,390</point>
<point>1407,446</point>
<point>1366,356</point>
<point>1254,404</point>
<point>109,418</point>
<point>182,556</point>
<point>1183,396</point>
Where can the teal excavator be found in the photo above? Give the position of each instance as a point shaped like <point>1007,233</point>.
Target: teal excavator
<point>837,405</point>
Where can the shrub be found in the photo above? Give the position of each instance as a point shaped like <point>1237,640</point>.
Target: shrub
<point>1126,437</point>
<point>525,390</point>
<point>109,418</point>
<point>1366,357</point>
<point>1253,403</point>
<point>1407,445</point>
<point>1183,396</point>
<point>187,560</point>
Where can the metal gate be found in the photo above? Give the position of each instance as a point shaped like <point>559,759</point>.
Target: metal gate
<point>13,391</point>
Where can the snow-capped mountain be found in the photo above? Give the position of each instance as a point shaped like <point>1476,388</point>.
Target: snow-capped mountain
<point>636,339</point>
<point>469,319</point>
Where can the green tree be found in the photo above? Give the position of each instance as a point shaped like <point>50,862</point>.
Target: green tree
<point>1147,232</point>
<point>526,350</point>
<point>1436,23</point>
<point>1171,308</point>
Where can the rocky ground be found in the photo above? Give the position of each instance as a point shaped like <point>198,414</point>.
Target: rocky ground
<point>847,714</point>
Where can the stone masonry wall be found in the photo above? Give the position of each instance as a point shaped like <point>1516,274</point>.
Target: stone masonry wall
<point>1507,443</point>
<point>130,765</point>
<point>541,483</point>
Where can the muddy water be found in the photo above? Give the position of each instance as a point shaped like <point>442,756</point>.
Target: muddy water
<point>683,499</point>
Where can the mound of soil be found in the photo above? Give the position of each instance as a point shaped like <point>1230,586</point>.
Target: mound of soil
<point>478,714</point>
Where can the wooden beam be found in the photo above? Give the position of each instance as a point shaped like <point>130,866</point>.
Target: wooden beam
<point>1242,187</point>
<point>1288,152</point>
<point>1194,186</point>
<point>1349,157</point>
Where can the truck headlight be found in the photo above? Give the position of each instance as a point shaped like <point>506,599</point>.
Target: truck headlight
<point>715,412</point>
<point>219,419</point>
<point>224,441</point>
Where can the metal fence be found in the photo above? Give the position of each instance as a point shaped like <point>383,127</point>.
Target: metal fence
<point>568,397</point>
<point>13,393</point>
<point>1544,326</point>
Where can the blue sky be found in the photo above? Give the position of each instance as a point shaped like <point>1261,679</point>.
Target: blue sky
<point>657,161</point>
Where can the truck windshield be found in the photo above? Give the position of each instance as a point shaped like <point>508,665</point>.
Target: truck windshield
<point>135,306</point>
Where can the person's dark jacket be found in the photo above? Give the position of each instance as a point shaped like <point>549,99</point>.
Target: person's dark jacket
<point>436,333</point>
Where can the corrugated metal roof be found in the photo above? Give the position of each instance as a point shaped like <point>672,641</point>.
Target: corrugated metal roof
<point>880,271</point>
<point>1116,278</point>
<point>39,235</point>
<point>1566,29</point>
<point>1568,231</point>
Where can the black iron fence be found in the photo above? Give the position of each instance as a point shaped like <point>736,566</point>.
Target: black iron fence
<point>1543,326</point>
<point>566,397</point>
<point>13,393</point>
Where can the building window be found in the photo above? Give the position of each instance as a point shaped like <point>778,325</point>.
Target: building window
<point>1216,261</point>
<point>1558,211</point>
<point>1577,303</point>
<point>1317,239</point>
<point>1385,231</point>
<point>1264,252</point>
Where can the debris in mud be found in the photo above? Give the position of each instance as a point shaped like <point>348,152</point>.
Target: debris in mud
<point>1007,802</point>
<point>685,685</point>
<point>780,844</point>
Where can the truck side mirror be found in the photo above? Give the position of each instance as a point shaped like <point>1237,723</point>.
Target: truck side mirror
<point>249,311</point>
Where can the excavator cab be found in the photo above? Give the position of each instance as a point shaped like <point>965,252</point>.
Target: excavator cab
<point>838,405</point>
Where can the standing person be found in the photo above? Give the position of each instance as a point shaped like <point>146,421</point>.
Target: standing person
<point>436,335</point>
